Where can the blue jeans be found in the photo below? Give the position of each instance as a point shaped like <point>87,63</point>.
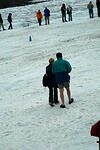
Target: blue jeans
<point>69,17</point>
<point>91,13</point>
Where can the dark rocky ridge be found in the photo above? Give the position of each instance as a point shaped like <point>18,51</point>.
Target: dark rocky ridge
<point>13,3</point>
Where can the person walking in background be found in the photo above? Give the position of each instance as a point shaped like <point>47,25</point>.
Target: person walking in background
<point>63,12</point>
<point>69,12</point>
<point>61,68</point>
<point>10,21</point>
<point>98,7</point>
<point>39,17</point>
<point>47,15</point>
<point>90,7</point>
<point>53,92</point>
<point>1,23</point>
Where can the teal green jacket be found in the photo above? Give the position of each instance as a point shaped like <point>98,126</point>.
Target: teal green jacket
<point>61,65</point>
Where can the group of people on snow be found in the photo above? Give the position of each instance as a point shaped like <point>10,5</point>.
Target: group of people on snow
<point>58,77</point>
<point>64,11</point>
<point>67,10</point>
<point>9,20</point>
<point>46,15</point>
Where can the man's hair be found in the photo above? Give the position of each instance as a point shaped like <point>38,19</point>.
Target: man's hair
<point>59,55</point>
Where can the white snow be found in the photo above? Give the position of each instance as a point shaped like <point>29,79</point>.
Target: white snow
<point>27,122</point>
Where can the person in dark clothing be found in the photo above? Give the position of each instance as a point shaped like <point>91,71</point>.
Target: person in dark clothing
<point>53,92</point>
<point>47,15</point>
<point>98,7</point>
<point>1,23</point>
<point>69,12</point>
<point>63,12</point>
<point>90,7</point>
<point>10,21</point>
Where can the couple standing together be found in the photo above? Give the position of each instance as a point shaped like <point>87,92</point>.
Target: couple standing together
<point>46,15</point>
<point>58,75</point>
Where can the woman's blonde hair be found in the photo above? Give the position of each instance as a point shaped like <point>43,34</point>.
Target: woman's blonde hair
<point>51,60</point>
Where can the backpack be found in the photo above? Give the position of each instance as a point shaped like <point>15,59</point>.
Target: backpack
<point>45,80</point>
<point>69,10</point>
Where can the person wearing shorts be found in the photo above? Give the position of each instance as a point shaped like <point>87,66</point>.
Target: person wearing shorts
<point>61,68</point>
<point>64,85</point>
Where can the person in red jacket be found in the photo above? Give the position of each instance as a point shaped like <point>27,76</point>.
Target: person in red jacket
<point>39,17</point>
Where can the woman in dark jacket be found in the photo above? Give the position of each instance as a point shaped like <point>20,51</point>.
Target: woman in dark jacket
<point>53,92</point>
<point>10,21</point>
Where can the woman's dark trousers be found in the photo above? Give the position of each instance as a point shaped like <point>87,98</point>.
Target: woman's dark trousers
<point>39,21</point>
<point>53,95</point>
<point>63,17</point>
<point>69,17</point>
<point>10,26</point>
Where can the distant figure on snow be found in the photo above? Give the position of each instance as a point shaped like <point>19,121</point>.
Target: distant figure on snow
<point>1,23</point>
<point>39,17</point>
<point>69,12</point>
<point>90,7</point>
<point>10,21</point>
<point>63,12</point>
<point>53,92</point>
<point>47,15</point>
<point>98,7</point>
<point>61,68</point>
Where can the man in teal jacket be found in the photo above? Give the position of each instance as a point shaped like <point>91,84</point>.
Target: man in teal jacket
<point>61,68</point>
